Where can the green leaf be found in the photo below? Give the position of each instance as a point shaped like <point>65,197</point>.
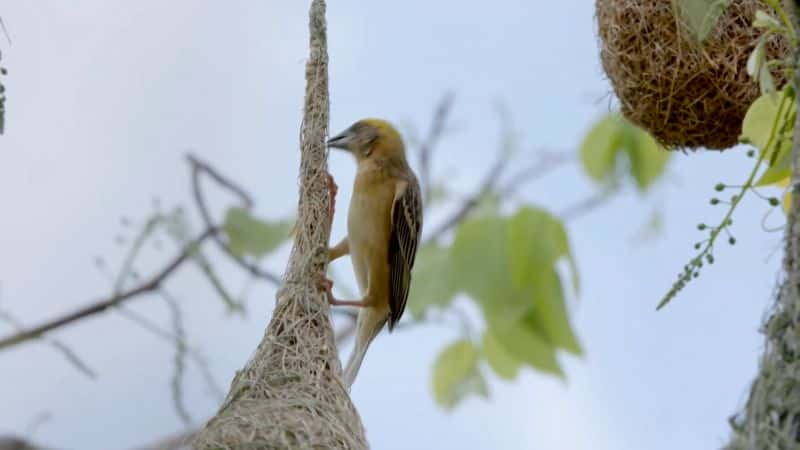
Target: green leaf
<point>613,137</point>
<point>599,148</point>
<point>248,235</point>
<point>758,127</point>
<point>537,240</point>
<point>523,342</point>
<point>508,266</point>
<point>756,59</point>
<point>758,120</point>
<point>503,364</point>
<point>702,15</point>
<point>432,281</point>
<point>778,172</point>
<point>647,159</point>
<point>550,317</point>
<point>479,255</point>
<point>765,20</point>
<point>456,374</point>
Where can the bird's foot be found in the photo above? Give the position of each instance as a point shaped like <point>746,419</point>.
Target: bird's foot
<point>333,189</point>
<point>326,284</point>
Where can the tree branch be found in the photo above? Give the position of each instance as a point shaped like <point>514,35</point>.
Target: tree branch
<point>426,147</point>
<point>199,168</point>
<point>546,162</point>
<point>100,306</point>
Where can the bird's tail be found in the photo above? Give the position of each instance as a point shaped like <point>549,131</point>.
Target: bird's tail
<point>369,323</point>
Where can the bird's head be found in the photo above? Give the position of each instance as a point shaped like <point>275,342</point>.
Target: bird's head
<point>371,139</point>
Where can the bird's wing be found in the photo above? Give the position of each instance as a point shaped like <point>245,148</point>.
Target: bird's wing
<point>403,243</point>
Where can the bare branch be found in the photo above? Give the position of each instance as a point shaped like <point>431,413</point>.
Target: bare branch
<point>179,359</point>
<point>426,147</point>
<point>62,348</point>
<point>546,162</point>
<point>199,359</point>
<point>200,167</point>
<point>5,31</point>
<point>16,443</point>
<point>585,206</point>
<point>100,306</point>
<point>485,187</point>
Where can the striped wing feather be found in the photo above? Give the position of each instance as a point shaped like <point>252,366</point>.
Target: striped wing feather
<point>404,240</point>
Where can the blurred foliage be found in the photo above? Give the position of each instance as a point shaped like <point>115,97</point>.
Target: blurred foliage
<point>700,16</point>
<point>774,145</point>
<point>614,146</point>
<point>248,235</point>
<point>456,374</point>
<point>510,266</point>
<point>517,268</point>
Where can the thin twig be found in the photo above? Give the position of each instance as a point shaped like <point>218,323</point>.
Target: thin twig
<point>584,206</point>
<point>5,31</point>
<point>179,359</point>
<point>100,306</point>
<point>485,187</point>
<point>199,359</point>
<point>247,202</point>
<point>426,147</point>
<point>545,163</point>
<point>62,348</point>
<point>200,167</point>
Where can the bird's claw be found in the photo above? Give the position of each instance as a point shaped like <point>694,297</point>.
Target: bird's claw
<point>333,189</point>
<point>326,284</point>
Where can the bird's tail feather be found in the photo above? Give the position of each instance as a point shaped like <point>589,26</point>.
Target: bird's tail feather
<point>368,325</point>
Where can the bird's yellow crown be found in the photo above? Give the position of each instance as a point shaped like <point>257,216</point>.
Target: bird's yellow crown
<point>384,128</point>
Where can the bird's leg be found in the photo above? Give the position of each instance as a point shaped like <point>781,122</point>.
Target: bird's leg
<point>327,284</point>
<point>332,190</point>
<point>339,250</point>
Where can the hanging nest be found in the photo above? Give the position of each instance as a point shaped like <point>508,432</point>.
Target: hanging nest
<point>687,94</point>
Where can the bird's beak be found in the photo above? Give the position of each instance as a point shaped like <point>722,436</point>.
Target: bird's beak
<point>341,140</point>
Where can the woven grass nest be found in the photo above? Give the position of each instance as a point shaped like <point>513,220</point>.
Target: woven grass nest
<point>687,94</point>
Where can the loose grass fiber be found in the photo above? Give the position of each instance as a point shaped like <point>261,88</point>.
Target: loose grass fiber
<point>290,394</point>
<point>687,94</point>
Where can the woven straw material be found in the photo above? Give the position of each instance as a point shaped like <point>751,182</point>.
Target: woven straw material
<point>685,93</point>
<point>290,394</point>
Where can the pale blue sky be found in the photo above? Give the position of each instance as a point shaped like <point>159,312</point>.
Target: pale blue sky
<point>105,97</point>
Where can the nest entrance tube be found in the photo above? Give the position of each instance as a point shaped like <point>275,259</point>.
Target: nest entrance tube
<point>687,94</point>
<point>290,394</point>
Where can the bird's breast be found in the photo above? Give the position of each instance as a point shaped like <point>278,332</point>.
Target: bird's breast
<point>369,226</point>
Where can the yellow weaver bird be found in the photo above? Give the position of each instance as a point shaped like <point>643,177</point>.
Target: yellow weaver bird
<point>384,222</point>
